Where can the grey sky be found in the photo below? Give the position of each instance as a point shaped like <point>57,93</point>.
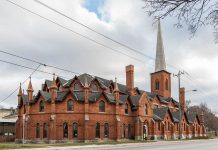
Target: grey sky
<point>124,20</point>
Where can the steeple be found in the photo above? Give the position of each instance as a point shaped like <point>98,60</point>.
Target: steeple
<point>160,63</point>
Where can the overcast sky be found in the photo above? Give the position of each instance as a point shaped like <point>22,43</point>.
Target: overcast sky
<point>30,36</point>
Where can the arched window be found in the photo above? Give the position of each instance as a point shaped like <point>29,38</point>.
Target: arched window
<point>76,87</point>
<point>146,109</point>
<point>24,109</point>
<point>70,105</point>
<point>106,130</point>
<point>166,84</point>
<point>101,106</point>
<point>37,130</point>
<point>129,131</point>
<point>158,126</point>
<point>65,130</point>
<point>97,130</point>
<point>168,126</point>
<point>41,106</point>
<point>94,87</point>
<point>44,130</point>
<point>126,108</point>
<point>75,130</point>
<point>157,85</point>
<point>123,131</point>
<point>111,89</point>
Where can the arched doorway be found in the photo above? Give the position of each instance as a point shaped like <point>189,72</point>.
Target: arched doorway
<point>145,130</point>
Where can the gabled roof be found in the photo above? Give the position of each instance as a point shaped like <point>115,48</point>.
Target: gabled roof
<point>62,81</point>
<point>160,112</point>
<point>45,95</point>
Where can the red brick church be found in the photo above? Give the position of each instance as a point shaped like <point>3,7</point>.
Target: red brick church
<point>91,108</point>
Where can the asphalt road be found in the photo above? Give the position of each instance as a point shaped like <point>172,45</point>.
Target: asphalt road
<point>160,145</point>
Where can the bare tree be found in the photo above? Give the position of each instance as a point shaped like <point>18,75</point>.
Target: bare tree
<point>193,13</point>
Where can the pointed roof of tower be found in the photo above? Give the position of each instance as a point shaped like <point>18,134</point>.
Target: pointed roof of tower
<point>20,91</point>
<point>30,87</point>
<point>160,63</point>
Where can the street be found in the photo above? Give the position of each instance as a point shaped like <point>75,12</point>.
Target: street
<point>160,145</point>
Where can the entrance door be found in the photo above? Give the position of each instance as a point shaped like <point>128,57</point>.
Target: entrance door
<point>145,131</point>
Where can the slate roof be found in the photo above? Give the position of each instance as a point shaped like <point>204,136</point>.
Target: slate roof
<point>160,112</point>
<point>191,117</point>
<point>62,81</point>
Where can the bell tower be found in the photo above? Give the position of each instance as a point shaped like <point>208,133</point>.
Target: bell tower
<point>161,78</point>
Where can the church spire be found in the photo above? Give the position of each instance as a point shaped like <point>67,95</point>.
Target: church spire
<point>160,63</point>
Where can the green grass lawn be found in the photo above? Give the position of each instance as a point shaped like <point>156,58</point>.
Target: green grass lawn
<point>12,145</point>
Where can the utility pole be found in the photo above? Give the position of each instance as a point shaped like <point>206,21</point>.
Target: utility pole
<point>180,111</point>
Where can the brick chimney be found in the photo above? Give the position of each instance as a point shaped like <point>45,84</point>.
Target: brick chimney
<point>130,78</point>
<point>182,99</point>
<point>53,89</point>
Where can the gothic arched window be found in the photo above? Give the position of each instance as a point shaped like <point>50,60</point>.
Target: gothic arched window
<point>76,87</point>
<point>123,131</point>
<point>75,130</point>
<point>146,109</point>
<point>126,108</point>
<point>41,106</point>
<point>94,87</point>
<point>102,106</point>
<point>37,130</point>
<point>97,130</point>
<point>106,130</point>
<point>70,105</point>
<point>129,131</point>
<point>65,130</point>
<point>157,85</point>
<point>44,130</point>
<point>166,84</point>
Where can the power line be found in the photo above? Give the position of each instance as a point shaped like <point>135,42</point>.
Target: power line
<point>21,84</point>
<point>40,63</point>
<point>30,68</point>
<point>77,33</point>
<point>97,32</point>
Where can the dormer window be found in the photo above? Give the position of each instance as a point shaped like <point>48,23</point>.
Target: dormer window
<point>76,87</point>
<point>111,89</point>
<point>94,88</point>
